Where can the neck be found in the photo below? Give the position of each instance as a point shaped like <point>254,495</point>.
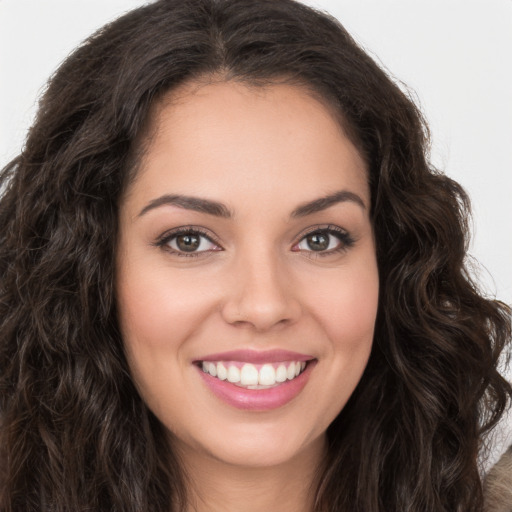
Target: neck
<point>215,486</point>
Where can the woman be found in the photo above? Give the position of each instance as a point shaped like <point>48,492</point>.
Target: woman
<point>232,281</point>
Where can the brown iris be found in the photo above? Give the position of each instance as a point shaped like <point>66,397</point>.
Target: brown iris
<point>318,241</point>
<point>188,242</point>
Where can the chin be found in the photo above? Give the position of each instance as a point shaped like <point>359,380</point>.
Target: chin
<point>260,446</point>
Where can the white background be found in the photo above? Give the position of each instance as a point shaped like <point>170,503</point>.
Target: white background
<point>455,55</point>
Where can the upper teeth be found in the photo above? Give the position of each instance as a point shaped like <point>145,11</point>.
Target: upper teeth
<point>250,375</point>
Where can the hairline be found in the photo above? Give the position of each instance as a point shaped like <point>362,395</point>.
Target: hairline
<point>141,143</point>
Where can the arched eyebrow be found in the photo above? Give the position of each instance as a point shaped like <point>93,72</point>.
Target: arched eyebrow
<point>217,209</point>
<point>197,204</point>
<point>325,202</point>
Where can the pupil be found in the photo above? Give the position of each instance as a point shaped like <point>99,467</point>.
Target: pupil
<point>187,243</point>
<point>318,242</point>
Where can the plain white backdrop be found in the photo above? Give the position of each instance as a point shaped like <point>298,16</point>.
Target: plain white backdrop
<point>454,55</point>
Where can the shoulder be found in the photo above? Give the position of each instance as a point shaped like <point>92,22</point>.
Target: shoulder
<point>498,485</point>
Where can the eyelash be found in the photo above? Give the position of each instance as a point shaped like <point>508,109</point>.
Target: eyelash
<point>345,239</point>
<point>165,239</point>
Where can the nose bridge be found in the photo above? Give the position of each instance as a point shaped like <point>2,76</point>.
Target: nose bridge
<point>261,293</point>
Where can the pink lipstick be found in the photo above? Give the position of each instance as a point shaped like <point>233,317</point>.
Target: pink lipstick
<point>256,380</point>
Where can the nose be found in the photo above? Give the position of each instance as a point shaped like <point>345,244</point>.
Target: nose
<point>261,293</point>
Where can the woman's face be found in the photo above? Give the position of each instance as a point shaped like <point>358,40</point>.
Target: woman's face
<point>246,255</point>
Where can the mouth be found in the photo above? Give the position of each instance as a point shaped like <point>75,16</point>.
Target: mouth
<point>254,376</point>
<point>256,381</point>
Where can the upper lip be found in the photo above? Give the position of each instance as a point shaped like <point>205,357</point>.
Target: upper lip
<point>257,356</point>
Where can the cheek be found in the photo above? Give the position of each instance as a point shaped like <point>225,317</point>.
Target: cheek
<point>347,309</point>
<point>155,310</point>
<point>347,305</point>
<point>158,317</point>
<point>351,313</point>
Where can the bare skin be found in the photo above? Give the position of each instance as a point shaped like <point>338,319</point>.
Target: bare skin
<point>248,229</point>
<point>289,486</point>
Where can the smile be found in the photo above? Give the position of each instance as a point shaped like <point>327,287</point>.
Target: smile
<point>256,381</point>
<point>254,376</point>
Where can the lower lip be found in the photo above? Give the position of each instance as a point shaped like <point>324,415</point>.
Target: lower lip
<point>258,399</point>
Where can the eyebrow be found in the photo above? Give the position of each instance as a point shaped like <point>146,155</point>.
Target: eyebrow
<point>189,203</point>
<point>317,205</point>
<point>217,209</point>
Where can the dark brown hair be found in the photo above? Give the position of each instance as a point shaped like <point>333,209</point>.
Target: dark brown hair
<point>74,433</point>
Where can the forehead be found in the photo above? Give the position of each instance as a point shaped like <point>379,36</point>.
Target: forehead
<point>209,139</point>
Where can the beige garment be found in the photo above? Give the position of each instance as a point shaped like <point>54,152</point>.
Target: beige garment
<point>498,485</point>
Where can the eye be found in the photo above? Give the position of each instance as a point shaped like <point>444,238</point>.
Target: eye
<point>325,240</point>
<point>187,242</point>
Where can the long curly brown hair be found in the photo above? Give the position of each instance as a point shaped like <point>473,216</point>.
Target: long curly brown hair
<point>74,433</point>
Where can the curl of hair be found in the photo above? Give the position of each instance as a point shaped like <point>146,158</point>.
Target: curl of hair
<point>74,433</point>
